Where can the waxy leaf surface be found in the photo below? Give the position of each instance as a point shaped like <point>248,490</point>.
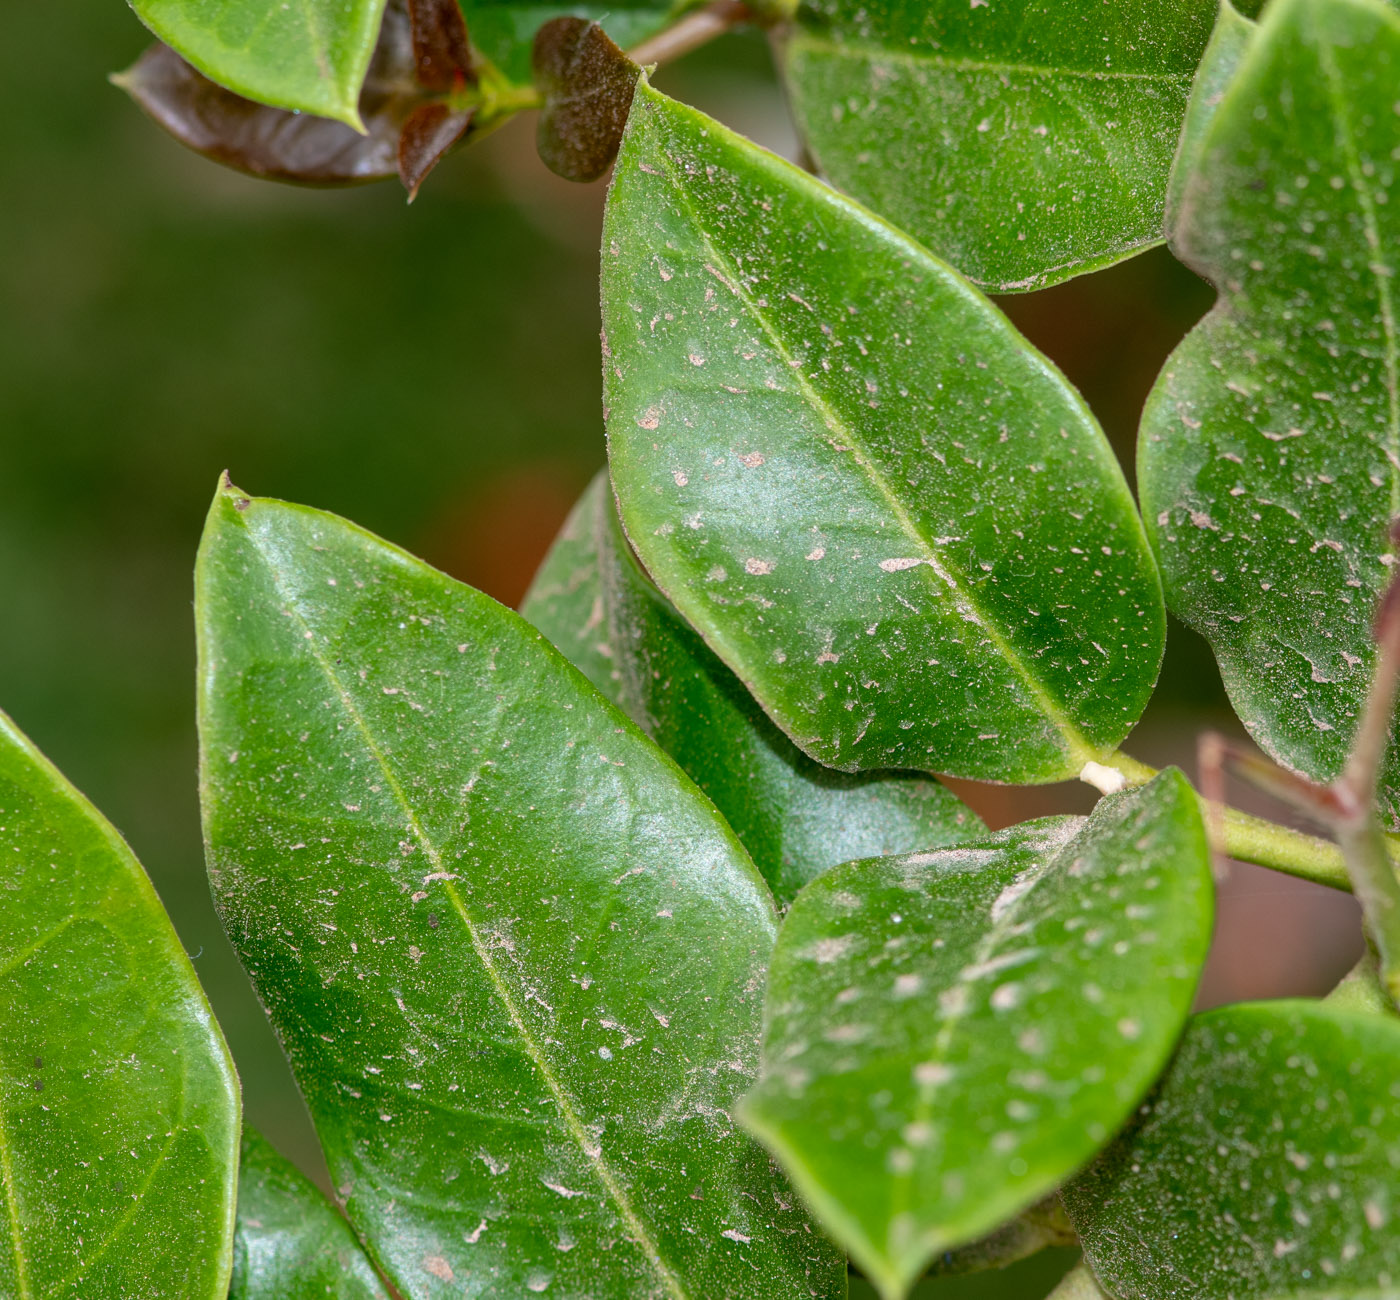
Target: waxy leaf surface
<point>949,1035</point>
<point>118,1101</point>
<point>889,515</point>
<point>1269,460</point>
<point>1263,1165</point>
<point>795,817</point>
<point>515,956</point>
<point>307,55</point>
<point>290,1243</point>
<point>1024,141</point>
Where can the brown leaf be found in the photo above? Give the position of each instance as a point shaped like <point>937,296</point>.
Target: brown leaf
<point>272,142</point>
<point>441,50</point>
<point>587,83</point>
<point>431,130</point>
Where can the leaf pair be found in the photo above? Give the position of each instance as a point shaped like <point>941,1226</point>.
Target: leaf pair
<point>406,117</point>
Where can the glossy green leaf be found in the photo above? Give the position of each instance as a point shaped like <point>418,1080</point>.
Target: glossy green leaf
<point>1025,142</point>
<point>949,1035</point>
<point>1269,460</point>
<point>1264,1165</point>
<point>504,30</point>
<point>795,817</point>
<point>515,956</point>
<point>893,519</point>
<point>291,1244</point>
<point>307,55</point>
<point>119,1105</point>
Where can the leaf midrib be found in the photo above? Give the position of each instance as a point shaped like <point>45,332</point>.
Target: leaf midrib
<point>841,434</point>
<point>996,934</point>
<point>7,1180</point>
<point>872,52</point>
<point>592,1154</point>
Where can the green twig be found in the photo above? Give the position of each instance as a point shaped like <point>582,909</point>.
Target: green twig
<point>1247,838</point>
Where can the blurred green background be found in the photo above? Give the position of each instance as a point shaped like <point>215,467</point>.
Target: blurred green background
<point>431,372</point>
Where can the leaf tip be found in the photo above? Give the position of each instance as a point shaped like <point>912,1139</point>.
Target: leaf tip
<point>234,496</point>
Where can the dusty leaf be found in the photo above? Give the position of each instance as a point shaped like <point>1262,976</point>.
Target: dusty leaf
<point>948,1036</point>
<point>893,519</point>
<point>515,956</point>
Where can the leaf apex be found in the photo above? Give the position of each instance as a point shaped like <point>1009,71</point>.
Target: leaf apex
<point>230,494</point>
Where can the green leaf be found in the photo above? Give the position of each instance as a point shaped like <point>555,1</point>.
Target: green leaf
<point>1026,143</point>
<point>1264,1165</point>
<point>893,519</point>
<point>1222,59</point>
<point>949,1035</point>
<point>119,1104</point>
<point>795,817</point>
<point>307,55</point>
<point>514,955</point>
<point>504,30</point>
<point>291,1244</point>
<point>1268,457</point>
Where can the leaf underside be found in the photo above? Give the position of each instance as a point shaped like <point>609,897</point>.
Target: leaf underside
<point>886,513</point>
<point>795,817</point>
<point>1025,143</point>
<point>949,1035</point>
<point>1269,459</point>
<point>1263,1166</point>
<point>515,957</point>
<point>119,1105</point>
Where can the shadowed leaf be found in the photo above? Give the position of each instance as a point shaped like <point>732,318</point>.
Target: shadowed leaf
<point>1024,141</point>
<point>587,83</point>
<point>1262,1166</point>
<point>291,1244</point>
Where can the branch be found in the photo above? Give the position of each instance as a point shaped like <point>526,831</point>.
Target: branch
<point>691,32</point>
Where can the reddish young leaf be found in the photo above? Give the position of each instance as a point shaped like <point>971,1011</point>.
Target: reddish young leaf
<point>441,51</point>
<point>431,130</point>
<point>587,82</point>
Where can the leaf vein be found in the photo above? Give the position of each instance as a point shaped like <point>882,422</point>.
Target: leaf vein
<point>591,1152</point>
